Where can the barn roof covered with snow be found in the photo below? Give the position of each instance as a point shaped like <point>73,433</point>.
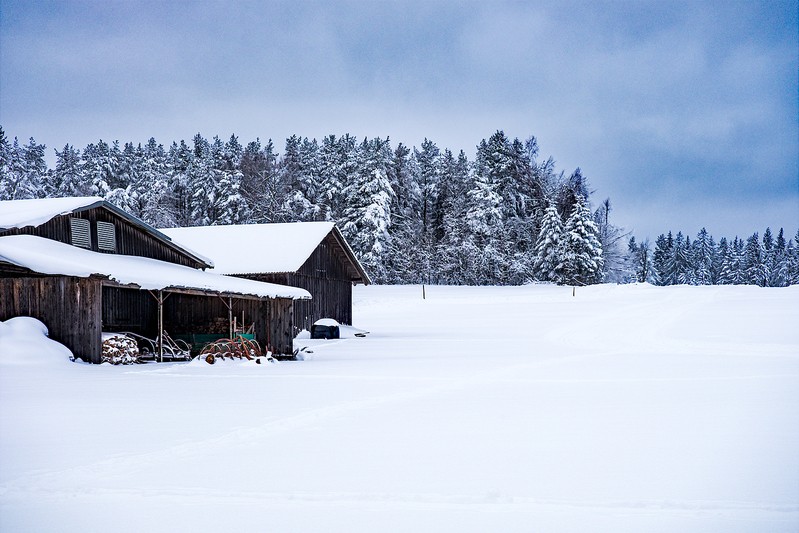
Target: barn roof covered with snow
<point>266,248</point>
<point>18,215</point>
<point>46,256</point>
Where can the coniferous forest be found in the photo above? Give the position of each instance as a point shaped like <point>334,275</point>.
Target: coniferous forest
<point>412,214</point>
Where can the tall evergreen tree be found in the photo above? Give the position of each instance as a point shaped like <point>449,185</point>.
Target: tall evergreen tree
<point>661,258</point>
<point>754,268</point>
<point>704,259</point>
<point>261,184</point>
<point>779,272</point>
<point>367,219</point>
<point>67,179</point>
<point>549,264</point>
<point>581,249</point>
<point>484,237</point>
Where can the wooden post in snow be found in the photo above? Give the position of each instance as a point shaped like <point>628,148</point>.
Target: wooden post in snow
<point>230,317</point>
<point>161,326</point>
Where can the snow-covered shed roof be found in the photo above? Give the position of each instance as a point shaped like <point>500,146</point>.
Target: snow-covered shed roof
<point>35,212</point>
<point>263,248</point>
<point>47,256</point>
<point>22,213</point>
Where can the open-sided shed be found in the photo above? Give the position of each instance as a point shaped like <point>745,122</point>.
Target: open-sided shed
<point>83,266</point>
<point>312,255</point>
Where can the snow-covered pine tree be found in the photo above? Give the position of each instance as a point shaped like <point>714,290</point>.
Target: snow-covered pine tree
<point>5,166</point>
<point>202,183</point>
<point>414,247</point>
<point>156,198</point>
<point>754,268</point>
<point>661,259</point>
<point>128,180</point>
<point>568,190</point>
<point>506,165</point>
<point>367,218</point>
<point>768,254</point>
<point>13,186</point>
<point>261,185</point>
<point>337,161</point>
<point>401,256</point>
<point>300,168</point>
<point>24,171</point>
<point>779,274</point>
<point>66,179</point>
<point>679,264</point>
<point>100,167</point>
<point>179,161</point>
<point>792,252</point>
<point>427,178</point>
<point>737,274</point>
<point>548,264</point>
<point>230,206</point>
<point>704,259</point>
<point>722,260</point>
<point>216,182</point>
<point>451,256</point>
<point>484,221</point>
<point>581,254</point>
<point>643,266</point>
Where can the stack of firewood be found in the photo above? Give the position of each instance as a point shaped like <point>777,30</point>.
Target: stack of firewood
<point>120,351</point>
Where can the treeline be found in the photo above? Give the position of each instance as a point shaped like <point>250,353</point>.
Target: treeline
<point>676,259</point>
<point>411,214</point>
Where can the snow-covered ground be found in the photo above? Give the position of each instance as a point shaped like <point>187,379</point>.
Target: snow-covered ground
<point>622,408</point>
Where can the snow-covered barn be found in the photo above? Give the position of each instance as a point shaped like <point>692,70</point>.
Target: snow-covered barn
<point>312,255</point>
<point>83,266</point>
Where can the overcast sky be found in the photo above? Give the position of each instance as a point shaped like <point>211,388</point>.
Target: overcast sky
<point>684,114</point>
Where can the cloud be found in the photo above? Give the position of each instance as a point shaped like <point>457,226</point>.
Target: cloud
<point>664,105</point>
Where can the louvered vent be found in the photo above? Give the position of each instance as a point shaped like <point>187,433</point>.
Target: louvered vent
<point>81,232</point>
<point>106,237</point>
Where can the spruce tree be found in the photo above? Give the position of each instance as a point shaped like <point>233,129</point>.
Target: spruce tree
<point>367,219</point>
<point>754,268</point>
<point>548,262</point>
<point>66,178</point>
<point>661,258</point>
<point>581,253</point>
<point>704,257</point>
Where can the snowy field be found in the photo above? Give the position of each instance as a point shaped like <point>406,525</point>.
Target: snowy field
<point>623,408</point>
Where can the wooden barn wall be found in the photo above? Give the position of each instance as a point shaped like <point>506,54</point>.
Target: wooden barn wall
<point>130,310</point>
<point>277,319</point>
<point>325,276</point>
<point>130,239</point>
<point>68,306</point>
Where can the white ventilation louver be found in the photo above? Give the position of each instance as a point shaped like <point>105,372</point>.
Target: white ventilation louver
<point>81,232</point>
<point>106,237</point>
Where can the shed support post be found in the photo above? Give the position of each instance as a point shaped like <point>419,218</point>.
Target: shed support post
<point>229,305</point>
<point>230,316</point>
<point>159,299</point>
<point>160,326</point>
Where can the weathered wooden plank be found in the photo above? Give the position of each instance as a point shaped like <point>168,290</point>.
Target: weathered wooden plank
<point>68,306</point>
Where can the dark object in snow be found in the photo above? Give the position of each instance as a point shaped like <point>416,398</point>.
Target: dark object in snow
<point>325,328</point>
